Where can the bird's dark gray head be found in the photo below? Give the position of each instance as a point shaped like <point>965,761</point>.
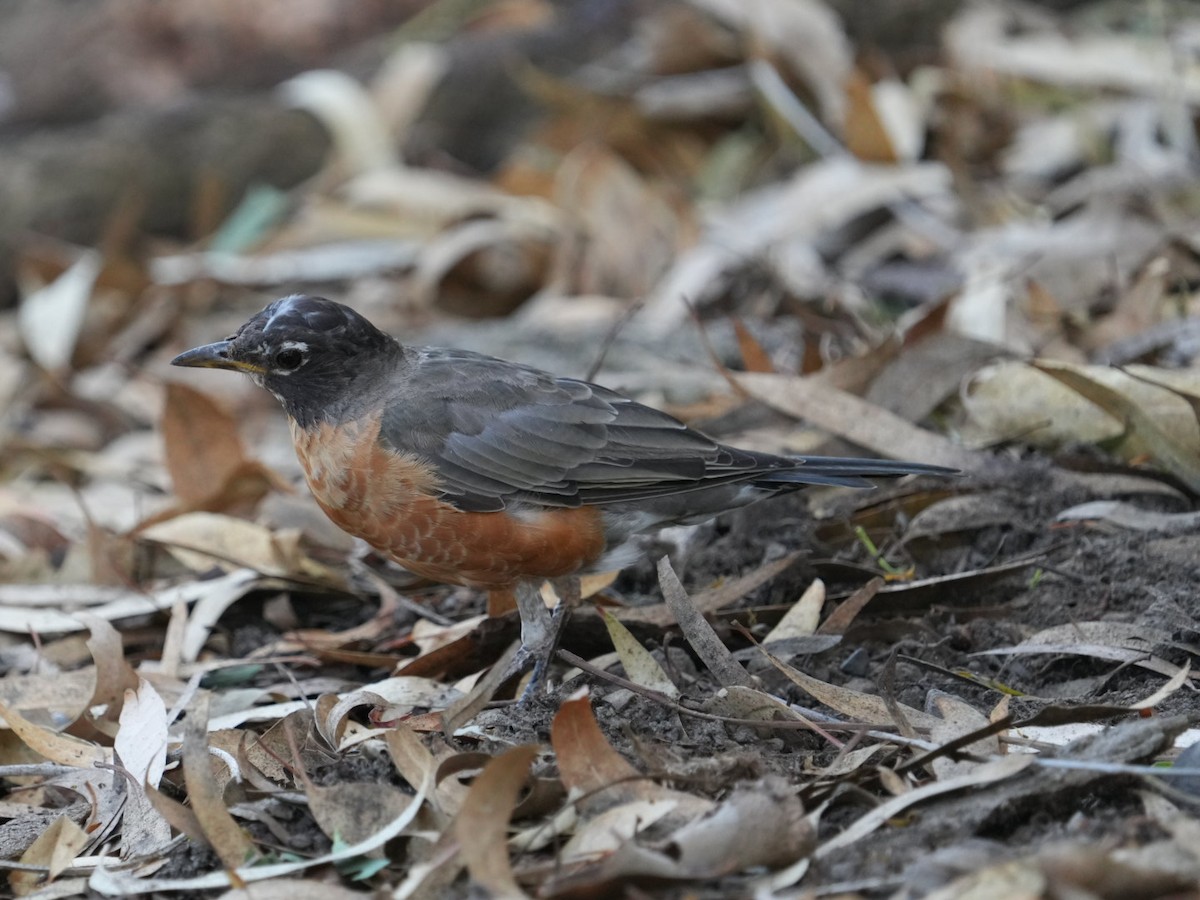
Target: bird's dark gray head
<point>318,357</point>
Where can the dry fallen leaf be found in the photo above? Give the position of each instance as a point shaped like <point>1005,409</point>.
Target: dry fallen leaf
<point>51,316</point>
<point>222,833</point>
<point>141,747</point>
<point>56,849</point>
<point>482,823</point>
<point>587,762</point>
<point>640,667</point>
<point>802,617</point>
<point>698,632</point>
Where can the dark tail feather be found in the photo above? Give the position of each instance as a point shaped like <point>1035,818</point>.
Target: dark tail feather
<point>847,471</point>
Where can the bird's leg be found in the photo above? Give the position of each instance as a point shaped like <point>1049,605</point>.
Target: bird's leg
<point>537,623</point>
<point>540,629</point>
<point>569,590</point>
<point>537,633</point>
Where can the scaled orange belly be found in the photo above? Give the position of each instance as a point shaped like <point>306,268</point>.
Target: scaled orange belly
<point>390,501</point>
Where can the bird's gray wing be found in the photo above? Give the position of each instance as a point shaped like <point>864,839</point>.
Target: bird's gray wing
<point>499,433</point>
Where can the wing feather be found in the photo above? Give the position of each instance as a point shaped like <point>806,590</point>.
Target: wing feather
<point>500,433</point>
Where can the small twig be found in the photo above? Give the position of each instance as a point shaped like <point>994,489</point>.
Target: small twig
<point>609,339</point>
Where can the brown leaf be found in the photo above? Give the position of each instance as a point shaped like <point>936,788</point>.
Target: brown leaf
<point>587,762</point>
<point>417,765</point>
<point>864,132</point>
<point>754,357</point>
<point>482,824</point>
<point>223,834</point>
<point>841,618</point>
<point>114,676</point>
<point>201,442</point>
<point>205,457</point>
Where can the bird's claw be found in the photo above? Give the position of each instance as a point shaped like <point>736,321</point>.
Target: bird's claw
<point>540,633</point>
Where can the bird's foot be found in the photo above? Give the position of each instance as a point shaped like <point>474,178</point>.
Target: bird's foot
<point>540,633</point>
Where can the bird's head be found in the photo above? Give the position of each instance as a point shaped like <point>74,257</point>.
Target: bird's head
<point>315,355</point>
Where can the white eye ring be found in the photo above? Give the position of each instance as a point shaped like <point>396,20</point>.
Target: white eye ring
<point>290,356</point>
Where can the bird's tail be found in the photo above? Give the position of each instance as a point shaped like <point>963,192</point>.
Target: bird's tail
<point>846,471</point>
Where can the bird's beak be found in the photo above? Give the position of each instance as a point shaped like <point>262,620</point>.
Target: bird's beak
<point>215,356</point>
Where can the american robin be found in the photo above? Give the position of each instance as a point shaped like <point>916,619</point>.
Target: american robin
<point>475,471</point>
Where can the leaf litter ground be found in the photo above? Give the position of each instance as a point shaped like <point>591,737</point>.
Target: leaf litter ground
<point>1077,574</point>
<point>941,689</point>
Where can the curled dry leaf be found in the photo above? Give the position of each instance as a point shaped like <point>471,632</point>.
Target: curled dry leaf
<point>56,748</point>
<point>393,697</point>
<point>212,598</point>
<point>482,268</point>
<point>114,676</point>
<point>605,832</point>
<point>204,540</point>
<point>806,36</point>
<point>482,823</point>
<point>759,825</point>
<point>818,200</point>
<point>111,604</point>
<point>343,105</point>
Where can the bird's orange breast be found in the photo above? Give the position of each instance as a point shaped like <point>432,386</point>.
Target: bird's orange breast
<point>390,500</point>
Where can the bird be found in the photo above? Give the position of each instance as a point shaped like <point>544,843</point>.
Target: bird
<point>471,470</point>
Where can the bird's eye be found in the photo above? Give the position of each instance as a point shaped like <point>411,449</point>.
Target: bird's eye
<point>289,359</point>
